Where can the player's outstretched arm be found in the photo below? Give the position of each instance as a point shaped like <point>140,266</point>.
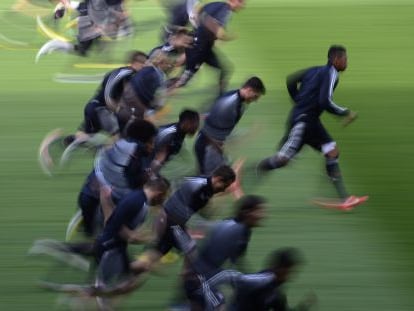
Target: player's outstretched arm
<point>348,119</point>
<point>292,82</point>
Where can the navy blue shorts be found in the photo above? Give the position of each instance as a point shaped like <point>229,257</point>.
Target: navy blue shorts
<point>300,133</point>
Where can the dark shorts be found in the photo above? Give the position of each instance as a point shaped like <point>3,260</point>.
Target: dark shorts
<point>300,133</point>
<point>199,54</point>
<point>98,118</point>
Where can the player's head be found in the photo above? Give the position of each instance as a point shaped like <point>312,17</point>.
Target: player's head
<point>284,261</point>
<point>157,190</point>
<point>337,57</point>
<point>222,178</point>
<point>143,131</point>
<point>252,89</point>
<point>180,38</point>
<point>137,59</point>
<point>236,5</point>
<point>250,210</point>
<point>189,121</point>
<point>163,61</point>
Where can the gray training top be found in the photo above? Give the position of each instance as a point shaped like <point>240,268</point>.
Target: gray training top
<point>224,115</point>
<point>194,194</point>
<point>227,241</point>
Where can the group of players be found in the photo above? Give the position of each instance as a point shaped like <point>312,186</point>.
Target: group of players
<point>126,176</point>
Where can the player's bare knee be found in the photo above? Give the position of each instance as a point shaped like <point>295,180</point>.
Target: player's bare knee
<point>333,154</point>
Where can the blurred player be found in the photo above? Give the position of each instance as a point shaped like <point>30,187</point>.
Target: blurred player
<point>220,122</point>
<point>145,91</point>
<point>120,230</point>
<point>98,114</point>
<point>282,263</point>
<point>213,17</point>
<point>97,19</point>
<point>311,91</point>
<point>170,138</point>
<point>175,46</point>
<point>227,241</point>
<point>118,170</point>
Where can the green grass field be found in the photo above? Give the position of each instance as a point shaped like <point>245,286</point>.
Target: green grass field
<point>358,261</point>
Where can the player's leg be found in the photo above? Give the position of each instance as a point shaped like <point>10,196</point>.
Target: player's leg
<point>88,201</point>
<point>195,57</point>
<point>289,147</point>
<point>222,64</point>
<point>112,268</point>
<point>88,34</point>
<point>324,143</point>
<point>45,157</point>
<point>333,170</point>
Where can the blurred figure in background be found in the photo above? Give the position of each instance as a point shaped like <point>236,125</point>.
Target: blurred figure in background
<point>311,91</point>
<point>97,19</point>
<point>180,13</point>
<point>98,114</point>
<point>212,20</point>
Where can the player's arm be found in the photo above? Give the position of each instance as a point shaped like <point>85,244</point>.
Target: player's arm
<point>293,81</point>
<point>326,94</point>
<point>159,160</point>
<point>113,86</point>
<point>235,278</point>
<point>135,236</point>
<point>215,27</point>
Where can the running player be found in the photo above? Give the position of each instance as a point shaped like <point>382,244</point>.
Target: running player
<point>312,90</point>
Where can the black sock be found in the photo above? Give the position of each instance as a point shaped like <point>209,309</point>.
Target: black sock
<point>334,173</point>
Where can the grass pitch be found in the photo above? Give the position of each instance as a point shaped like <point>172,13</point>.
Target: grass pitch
<point>356,261</point>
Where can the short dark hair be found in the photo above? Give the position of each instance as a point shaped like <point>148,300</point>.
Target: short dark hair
<point>188,115</point>
<point>159,183</point>
<point>256,84</point>
<point>225,172</point>
<point>334,51</point>
<point>247,204</point>
<point>136,57</point>
<point>141,130</point>
<point>287,257</point>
